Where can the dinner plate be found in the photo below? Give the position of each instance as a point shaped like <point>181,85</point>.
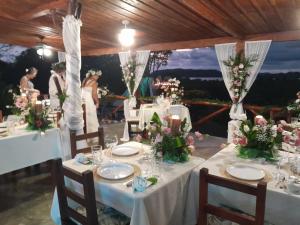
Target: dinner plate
<point>245,172</point>
<point>115,171</point>
<point>123,150</point>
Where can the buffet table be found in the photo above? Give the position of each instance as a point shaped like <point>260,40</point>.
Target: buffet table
<point>281,206</point>
<point>147,110</point>
<point>26,148</point>
<point>162,203</point>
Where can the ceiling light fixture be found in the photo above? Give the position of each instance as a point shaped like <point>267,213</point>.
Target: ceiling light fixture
<point>42,49</point>
<point>126,35</point>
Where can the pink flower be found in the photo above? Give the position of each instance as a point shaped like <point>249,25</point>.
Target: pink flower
<point>298,133</point>
<point>158,138</point>
<point>191,148</point>
<point>236,141</point>
<point>287,139</point>
<point>297,143</point>
<point>237,83</point>
<point>138,138</point>
<point>243,141</point>
<point>260,120</point>
<point>199,135</point>
<point>167,130</point>
<point>190,140</point>
<point>280,128</point>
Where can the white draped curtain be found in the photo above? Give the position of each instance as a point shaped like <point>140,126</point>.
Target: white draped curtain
<point>61,56</point>
<point>257,49</point>
<point>141,58</point>
<point>73,115</point>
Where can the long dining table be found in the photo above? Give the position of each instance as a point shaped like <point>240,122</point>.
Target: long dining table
<point>162,203</point>
<point>282,207</point>
<point>25,148</point>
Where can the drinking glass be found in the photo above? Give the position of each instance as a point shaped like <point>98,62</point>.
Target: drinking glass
<point>110,143</point>
<point>278,174</point>
<point>97,154</point>
<point>10,127</point>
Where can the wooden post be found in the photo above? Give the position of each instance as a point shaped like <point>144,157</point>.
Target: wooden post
<point>240,46</point>
<point>1,116</point>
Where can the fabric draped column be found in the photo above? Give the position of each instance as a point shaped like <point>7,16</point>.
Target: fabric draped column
<point>73,114</point>
<point>61,56</point>
<point>257,49</point>
<point>141,58</point>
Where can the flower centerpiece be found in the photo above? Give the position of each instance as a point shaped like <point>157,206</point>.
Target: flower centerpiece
<point>259,140</point>
<point>172,90</point>
<point>129,75</point>
<point>37,117</point>
<point>295,106</point>
<point>20,106</point>
<point>238,70</point>
<point>171,139</point>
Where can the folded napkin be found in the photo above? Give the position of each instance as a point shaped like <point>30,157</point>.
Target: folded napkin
<point>81,158</point>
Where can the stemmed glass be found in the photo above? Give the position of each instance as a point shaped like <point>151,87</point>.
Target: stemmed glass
<point>110,143</point>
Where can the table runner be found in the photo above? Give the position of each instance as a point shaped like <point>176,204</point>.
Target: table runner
<point>161,204</point>
<point>282,208</point>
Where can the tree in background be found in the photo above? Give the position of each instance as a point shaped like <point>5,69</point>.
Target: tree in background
<point>158,59</point>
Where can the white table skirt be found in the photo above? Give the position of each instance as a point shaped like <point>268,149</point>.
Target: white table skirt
<point>282,208</point>
<point>27,148</point>
<point>161,204</point>
<point>147,110</point>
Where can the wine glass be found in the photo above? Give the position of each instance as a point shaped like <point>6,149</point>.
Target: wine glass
<point>110,143</point>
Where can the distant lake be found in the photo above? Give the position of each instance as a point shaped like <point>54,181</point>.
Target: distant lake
<point>206,78</point>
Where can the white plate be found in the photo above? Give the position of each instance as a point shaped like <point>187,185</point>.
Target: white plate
<point>123,150</point>
<point>245,172</point>
<point>115,171</point>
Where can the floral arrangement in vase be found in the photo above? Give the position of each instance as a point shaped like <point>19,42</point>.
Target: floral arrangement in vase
<point>170,138</point>
<point>238,68</point>
<point>20,103</point>
<point>172,90</point>
<point>129,75</point>
<point>102,91</point>
<point>260,139</point>
<point>295,106</point>
<point>37,117</point>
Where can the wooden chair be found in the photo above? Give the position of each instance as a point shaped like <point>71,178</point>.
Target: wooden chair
<point>87,200</point>
<point>1,116</point>
<point>84,118</point>
<point>132,132</point>
<point>88,212</point>
<point>74,138</point>
<point>204,208</point>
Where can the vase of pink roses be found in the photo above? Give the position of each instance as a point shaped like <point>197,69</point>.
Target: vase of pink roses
<point>260,139</point>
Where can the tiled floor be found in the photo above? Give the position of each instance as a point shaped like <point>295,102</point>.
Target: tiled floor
<point>26,197</point>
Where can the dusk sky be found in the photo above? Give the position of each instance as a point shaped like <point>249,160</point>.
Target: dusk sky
<point>282,57</point>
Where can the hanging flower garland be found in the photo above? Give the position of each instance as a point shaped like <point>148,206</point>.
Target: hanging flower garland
<point>129,75</point>
<point>239,67</point>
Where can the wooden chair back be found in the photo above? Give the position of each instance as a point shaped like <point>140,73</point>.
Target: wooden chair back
<point>75,138</point>
<point>204,208</point>
<point>1,116</point>
<point>84,118</point>
<point>63,192</point>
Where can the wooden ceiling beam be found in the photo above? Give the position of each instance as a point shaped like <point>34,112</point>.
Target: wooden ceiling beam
<point>277,36</point>
<point>213,17</point>
<point>43,9</point>
<point>166,46</point>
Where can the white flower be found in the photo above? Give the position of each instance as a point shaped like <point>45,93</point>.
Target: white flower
<point>236,90</point>
<point>255,128</point>
<point>10,91</point>
<point>246,128</point>
<point>241,66</point>
<point>297,101</point>
<point>173,95</point>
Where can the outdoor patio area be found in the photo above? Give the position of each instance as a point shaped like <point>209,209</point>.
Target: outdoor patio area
<point>150,112</point>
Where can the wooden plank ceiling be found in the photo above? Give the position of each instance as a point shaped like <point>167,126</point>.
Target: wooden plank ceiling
<point>164,24</point>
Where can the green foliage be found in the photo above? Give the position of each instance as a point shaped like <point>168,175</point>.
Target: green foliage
<point>62,97</point>
<point>152,180</point>
<point>37,120</point>
<point>155,119</point>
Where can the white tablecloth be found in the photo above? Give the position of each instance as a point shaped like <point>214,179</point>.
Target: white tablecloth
<point>27,148</point>
<point>161,204</point>
<point>147,110</point>
<point>282,208</point>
